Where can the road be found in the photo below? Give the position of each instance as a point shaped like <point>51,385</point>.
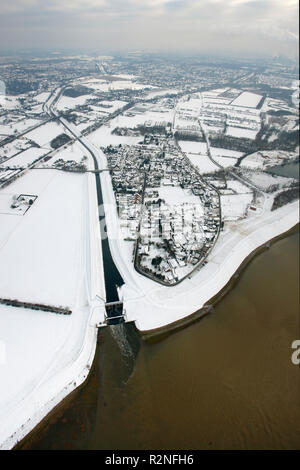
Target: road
<point>113,277</point>
<point>13,137</point>
<point>243,180</point>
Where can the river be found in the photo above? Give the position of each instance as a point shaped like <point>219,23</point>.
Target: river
<point>223,382</point>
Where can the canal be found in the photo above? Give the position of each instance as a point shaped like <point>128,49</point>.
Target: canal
<point>112,276</point>
<point>224,382</point>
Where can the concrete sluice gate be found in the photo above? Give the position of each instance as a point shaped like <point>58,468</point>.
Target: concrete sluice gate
<point>114,313</point>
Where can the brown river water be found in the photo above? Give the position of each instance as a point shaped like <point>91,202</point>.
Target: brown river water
<point>223,382</point>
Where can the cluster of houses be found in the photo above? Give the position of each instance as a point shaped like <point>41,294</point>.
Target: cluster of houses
<point>172,235</point>
<point>70,165</point>
<point>175,234</point>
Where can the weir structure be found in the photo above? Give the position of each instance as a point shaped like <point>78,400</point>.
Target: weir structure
<point>114,313</point>
<point>112,277</point>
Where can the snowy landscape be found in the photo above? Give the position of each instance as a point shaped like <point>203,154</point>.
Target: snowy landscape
<point>189,175</point>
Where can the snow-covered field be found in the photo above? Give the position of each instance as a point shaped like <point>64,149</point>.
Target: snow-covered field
<point>225,161</point>
<point>25,158</point>
<point>247,99</point>
<point>235,206</point>
<point>176,195</point>
<point>39,248</point>
<point>236,109</point>
<point>103,137</point>
<point>265,159</point>
<point>73,152</point>
<point>67,102</point>
<point>105,86</point>
<point>8,150</point>
<point>19,126</point>
<point>202,163</point>
<point>265,180</point>
<point>162,305</point>
<point>52,254</point>
<point>113,105</point>
<point>196,152</point>
<point>10,102</point>
<point>225,157</point>
<point>240,132</point>
<point>42,97</point>
<point>158,92</point>
<point>44,134</point>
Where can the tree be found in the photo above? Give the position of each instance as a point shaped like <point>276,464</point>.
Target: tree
<point>156,261</point>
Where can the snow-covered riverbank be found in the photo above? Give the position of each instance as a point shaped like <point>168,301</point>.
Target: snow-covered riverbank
<point>162,306</point>
<point>54,255</point>
<point>158,307</point>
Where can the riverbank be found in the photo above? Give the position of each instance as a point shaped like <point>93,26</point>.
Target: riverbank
<point>155,314</point>
<point>229,403</point>
<point>26,414</point>
<point>47,356</point>
<point>162,332</point>
<point>161,307</point>
<point>157,333</point>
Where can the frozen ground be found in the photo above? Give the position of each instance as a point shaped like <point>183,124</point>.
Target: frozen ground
<point>67,102</point>
<point>103,137</point>
<point>52,254</point>
<point>265,180</point>
<point>162,305</point>
<point>193,147</point>
<point>176,195</point>
<point>73,152</point>
<point>44,134</point>
<point>247,99</point>
<point>19,126</point>
<point>202,163</point>
<point>265,159</point>
<point>240,132</point>
<point>25,158</point>
<point>46,241</point>
<point>235,206</point>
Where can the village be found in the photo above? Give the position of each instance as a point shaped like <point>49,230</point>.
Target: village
<point>165,207</point>
<point>132,189</point>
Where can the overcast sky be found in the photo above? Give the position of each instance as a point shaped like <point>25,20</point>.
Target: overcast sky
<point>237,27</point>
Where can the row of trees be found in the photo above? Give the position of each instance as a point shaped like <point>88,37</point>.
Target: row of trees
<point>285,197</point>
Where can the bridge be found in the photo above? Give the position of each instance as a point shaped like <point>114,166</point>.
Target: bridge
<point>114,313</point>
<point>97,172</point>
